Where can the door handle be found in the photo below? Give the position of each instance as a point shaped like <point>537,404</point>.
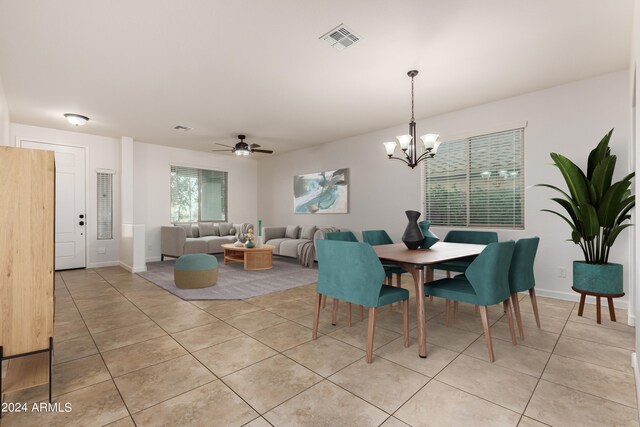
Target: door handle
<point>81,222</point>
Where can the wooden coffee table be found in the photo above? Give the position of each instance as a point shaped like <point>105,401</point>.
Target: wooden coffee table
<point>253,258</point>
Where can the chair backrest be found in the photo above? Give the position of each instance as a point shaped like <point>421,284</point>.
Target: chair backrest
<point>489,273</point>
<point>473,237</point>
<point>343,236</point>
<point>521,277</point>
<point>349,271</point>
<point>376,237</point>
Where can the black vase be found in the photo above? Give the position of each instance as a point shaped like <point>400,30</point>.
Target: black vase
<point>412,236</point>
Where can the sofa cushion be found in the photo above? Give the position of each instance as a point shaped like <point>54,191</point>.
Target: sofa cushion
<point>214,243</point>
<point>224,228</point>
<point>205,229</point>
<point>276,244</point>
<point>290,247</point>
<point>307,232</point>
<point>195,246</point>
<point>292,232</point>
<point>188,229</point>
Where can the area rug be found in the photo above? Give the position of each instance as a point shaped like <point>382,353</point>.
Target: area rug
<point>233,281</point>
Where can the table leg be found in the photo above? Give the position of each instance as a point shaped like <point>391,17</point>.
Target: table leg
<point>418,277</point>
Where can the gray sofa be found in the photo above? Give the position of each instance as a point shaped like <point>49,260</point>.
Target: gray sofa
<point>295,241</point>
<point>203,237</point>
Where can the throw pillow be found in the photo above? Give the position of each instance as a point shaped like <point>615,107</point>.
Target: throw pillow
<point>232,231</point>
<point>224,228</point>
<point>187,229</point>
<point>216,230</point>
<point>205,229</point>
<point>292,232</point>
<point>307,232</point>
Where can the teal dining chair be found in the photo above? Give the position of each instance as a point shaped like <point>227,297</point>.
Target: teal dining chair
<point>342,236</point>
<point>485,283</point>
<point>351,271</point>
<point>380,237</point>
<point>522,278</point>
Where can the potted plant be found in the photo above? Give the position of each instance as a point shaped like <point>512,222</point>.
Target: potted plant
<point>597,210</point>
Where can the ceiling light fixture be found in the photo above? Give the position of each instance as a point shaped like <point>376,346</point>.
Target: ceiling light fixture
<point>408,142</point>
<point>76,119</point>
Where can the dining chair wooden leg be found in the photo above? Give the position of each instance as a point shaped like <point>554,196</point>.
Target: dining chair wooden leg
<point>405,321</point>
<point>399,285</point>
<point>512,329</point>
<point>447,306</point>
<point>448,275</point>
<point>316,315</point>
<point>349,314</point>
<point>455,310</point>
<point>362,312</point>
<point>389,282</point>
<point>430,297</point>
<point>334,315</point>
<point>324,301</point>
<point>370,333</point>
<point>487,332</point>
<point>516,308</point>
<point>477,308</point>
<point>534,304</point>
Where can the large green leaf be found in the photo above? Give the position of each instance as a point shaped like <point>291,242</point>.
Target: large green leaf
<point>567,220</point>
<point>574,177</point>
<point>572,210</point>
<point>629,203</point>
<point>598,153</point>
<point>612,203</point>
<point>590,220</point>
<point>613,235</point>
<point>602,175</point>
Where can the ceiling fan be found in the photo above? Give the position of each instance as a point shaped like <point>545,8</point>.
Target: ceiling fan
<point>242,148</point>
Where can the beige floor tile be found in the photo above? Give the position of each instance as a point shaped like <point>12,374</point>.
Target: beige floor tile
<point>593,379</point>
<point>529,422</point>
<point>146,302</point>
<point>325,355</point>
<point>210,404</point>
<point>107,323</point>
<point>73,349</point>
<point>357,336</point>
<point>438,404</point>
<point>592,352</point>
<point>606,336</point>
<point>270,382</point>
<point>557,405</point>
<point>130,358</point>
<point>231,356</point>
<point>223,309</point>
<point>109,309</point>
<point>63,331</point>
<point>258,422</point>
<point>467,322</point>
<point>546,300</point>
<point>517,357</point>
<point>548,310</point>
<point>451,338</point>
<point>68,315</point>
<point>77,374</point>
<point>392,320</point>
<point>437,357</point>
<point>393,422</point>
<point>325,326</point>
<point>489,381</point>
<point>146,387</point>
<point>381,383</point>
<point>205,336</point>
<point>589,317</point>
<point>124,422</point>
<point>533,337</point>
<point>180,320</point>
<point>547,323</point>
<point>171,309</point>
<point>98,302</point>
<point>270,300</point>
<point>291,310</point>
<point>116,338</point>
<point>87,409</point>
<point>254,321</point>
<point>317,407</point>
<point>283,336</point>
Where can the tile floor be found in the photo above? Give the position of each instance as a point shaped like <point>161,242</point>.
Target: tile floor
<point>129,353</point>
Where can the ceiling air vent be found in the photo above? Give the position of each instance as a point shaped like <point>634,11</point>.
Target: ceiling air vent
<point>183,128</point>
<point>341,37</point>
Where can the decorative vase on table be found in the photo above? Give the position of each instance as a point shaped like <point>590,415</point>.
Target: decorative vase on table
<point>430,239</point>
<point>249,244</point>
<point>412,236</point>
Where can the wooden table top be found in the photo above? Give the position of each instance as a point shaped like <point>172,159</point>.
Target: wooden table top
<point>440,252</point>
<point>269,248</point>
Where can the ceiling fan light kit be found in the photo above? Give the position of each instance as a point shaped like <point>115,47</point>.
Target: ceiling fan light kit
<point>242,148</point>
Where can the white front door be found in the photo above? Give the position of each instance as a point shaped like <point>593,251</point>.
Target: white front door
<point>70,203</point>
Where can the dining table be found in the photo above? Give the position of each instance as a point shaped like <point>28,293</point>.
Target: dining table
<point>419,263</point>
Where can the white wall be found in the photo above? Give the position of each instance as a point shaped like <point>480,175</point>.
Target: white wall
<point>101,153</point>
<point>151,187</point>
<point>569,119</point>
<point>4,119</point>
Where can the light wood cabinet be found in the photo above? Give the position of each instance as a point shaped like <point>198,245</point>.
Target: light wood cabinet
<point>27,210</point>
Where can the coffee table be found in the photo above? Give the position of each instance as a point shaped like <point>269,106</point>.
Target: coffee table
<point>253,258</point>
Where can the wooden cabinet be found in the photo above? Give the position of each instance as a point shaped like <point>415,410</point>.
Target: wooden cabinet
<point>27,210</point>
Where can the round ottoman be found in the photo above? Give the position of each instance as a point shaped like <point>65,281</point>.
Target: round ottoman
<point>194,271</point>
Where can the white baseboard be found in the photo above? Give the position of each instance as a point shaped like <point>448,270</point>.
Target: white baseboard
<point>132,269</point>
<point>575,297</point>
<point>634,364</point>
<point>103,264</point>
<point>153,259</point>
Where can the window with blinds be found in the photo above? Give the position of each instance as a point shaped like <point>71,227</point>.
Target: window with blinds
<point>198,195</point>
<point>477,182</point>
<point>104,216</point>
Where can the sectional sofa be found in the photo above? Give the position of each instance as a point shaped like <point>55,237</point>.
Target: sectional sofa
<point>296,241</point>
<point>202,237</point>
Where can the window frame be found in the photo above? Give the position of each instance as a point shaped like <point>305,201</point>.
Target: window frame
<point>199,170</point>
<point>108,174</point>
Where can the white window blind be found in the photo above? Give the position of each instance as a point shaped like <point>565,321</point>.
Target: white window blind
<point>477,182</point>
<point>105,206</point>
<point>198,195</point>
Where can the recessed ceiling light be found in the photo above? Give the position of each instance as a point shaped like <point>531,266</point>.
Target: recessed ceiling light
<point>76,119</point>
<point>183,128</point>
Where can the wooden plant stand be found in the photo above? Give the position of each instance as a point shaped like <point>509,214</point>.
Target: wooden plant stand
<point>609,297</point>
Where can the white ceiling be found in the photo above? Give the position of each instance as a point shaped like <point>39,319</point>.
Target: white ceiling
<point>139,67</point>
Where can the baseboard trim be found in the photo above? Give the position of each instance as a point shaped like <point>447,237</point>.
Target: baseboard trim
<point>153,259</point>
<point>133,269</point>
<point>103,264</point>
<point>634,364</point>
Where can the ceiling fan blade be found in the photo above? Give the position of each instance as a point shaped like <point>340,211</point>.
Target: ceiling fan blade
<point>225,145</point>
<point>254,146</point>
<point>262,151</point>
<point>224,150</point>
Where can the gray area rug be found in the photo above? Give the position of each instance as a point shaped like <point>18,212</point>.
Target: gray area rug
<point>234,282</point>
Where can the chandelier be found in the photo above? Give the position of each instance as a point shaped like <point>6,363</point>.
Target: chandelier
<point>408,142</point>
